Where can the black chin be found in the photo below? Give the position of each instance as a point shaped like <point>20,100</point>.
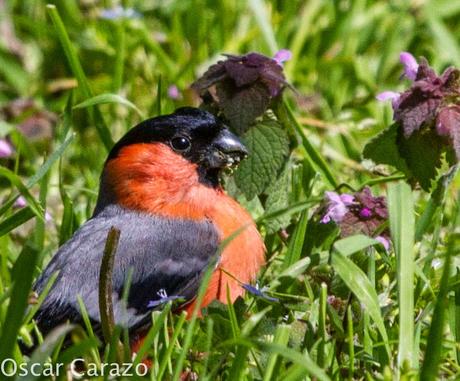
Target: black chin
<point>209,176</point>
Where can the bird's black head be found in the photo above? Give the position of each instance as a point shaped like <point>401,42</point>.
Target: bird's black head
<point>197,135</point>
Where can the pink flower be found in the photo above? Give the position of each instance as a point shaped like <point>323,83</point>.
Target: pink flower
<point>48,217</point>
<point>174,93</point>
<point>410,65</point>
<point>410,71</point>
<point>282,55</point>
<point>6,149</point>
<point>20,202</point>
<point>337,206</point>
<point>385,242</point>
<point>389,95</point>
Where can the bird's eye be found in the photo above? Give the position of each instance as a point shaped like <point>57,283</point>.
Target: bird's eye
<point>180,143</point>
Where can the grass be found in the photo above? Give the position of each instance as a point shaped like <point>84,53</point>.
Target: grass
<point>348,309</point>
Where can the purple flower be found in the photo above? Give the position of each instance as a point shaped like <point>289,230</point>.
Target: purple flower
<point>6,149</point>
<point>389,95</point>
<point>410,65</point>
<point>358,213</point>
<point>282,55</point>
<point>256,291</point>
<point>365,213</point>
<point>174,93</point>
<point>119,12</point>
<point>337,207</point>
<point>164,298</point>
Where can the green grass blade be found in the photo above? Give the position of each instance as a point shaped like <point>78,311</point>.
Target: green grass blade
<point>358,283</point>
<point>307,17</point>
<point>296,242</point>
<point>433,354</point>
<point>157,323</point>
<point>260,11</point>
<point>286,116</point>
<point>302,359</point>
<point>17,182</point>
<point>402,226</point>
<point>167,356</point>
<point>17,219</point>
<point>77,70</point>
<point>42,171</point>
<point>191,326</point>
<point>107,99</point>
<point>44,351</point>
<point>22,282</point>
<point>281,338</point>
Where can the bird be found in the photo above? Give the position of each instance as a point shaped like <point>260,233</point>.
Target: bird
<point>161,188</point>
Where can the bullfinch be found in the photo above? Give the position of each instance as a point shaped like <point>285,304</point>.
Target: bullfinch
<point>160,186</point>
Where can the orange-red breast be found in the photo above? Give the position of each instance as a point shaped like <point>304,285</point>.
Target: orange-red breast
<point>160,188</point>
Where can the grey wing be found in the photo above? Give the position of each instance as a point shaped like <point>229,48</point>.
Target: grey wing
<point>166,257</point>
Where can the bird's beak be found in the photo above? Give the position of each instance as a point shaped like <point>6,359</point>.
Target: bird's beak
<point>227,150</point>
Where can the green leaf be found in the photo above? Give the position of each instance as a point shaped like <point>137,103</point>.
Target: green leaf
<point>278,199</point>
<point>108,98</point>
<point>418,156</point>
<point>383,149</point>
<point>422,152</point>
<point>268,147</point>
<point>242,106</point>
<point>358,283</point>
<point>292,271</point>
<point>353,244</point>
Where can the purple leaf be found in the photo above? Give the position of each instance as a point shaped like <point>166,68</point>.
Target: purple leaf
<point>448,124</point>
<point>244,87</point>
<point>420,104</point>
